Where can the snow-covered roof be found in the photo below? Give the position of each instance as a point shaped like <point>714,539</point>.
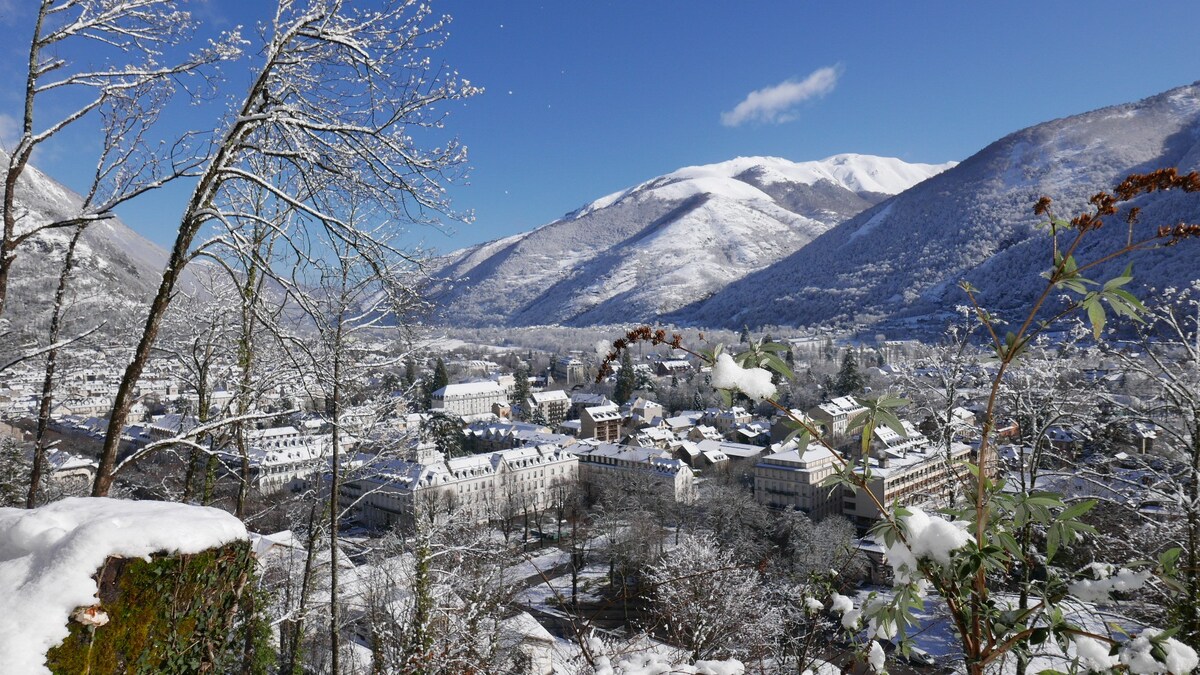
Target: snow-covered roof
<point>470,389</point>
<point>843,405</point>
<point>604,413</point>
<point>554,395</point>
<point>815,454</point>
<point>729,448</point>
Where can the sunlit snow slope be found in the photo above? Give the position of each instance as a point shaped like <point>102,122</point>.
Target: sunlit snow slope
<point>900,262</point>
<point>661,245</point>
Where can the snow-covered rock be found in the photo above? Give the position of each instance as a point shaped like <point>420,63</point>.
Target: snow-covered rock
<point>49,555</point>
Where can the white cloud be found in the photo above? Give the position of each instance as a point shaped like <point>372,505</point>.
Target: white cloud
<point>775,104</point>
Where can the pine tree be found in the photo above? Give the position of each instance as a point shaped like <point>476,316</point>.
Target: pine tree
<point>849,381</point>
<point>521,389</point>
<point>410,372</point>
<point>626,379</point>
<point>441,378</point>
<point>745,337</point>
<point>14,473</point>
<point>536,416</point>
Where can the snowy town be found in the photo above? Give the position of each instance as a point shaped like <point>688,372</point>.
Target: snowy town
<point>546,470</point>
<point>410,337</point>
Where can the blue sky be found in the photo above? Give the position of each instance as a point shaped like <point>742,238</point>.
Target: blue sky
<point>586,98</point>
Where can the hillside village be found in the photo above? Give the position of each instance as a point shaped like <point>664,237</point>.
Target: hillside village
<point>533,457</point>
<point>343,398</point>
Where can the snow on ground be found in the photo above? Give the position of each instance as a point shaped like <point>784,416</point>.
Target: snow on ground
<point>546,596</point>
<point>533,568</point>
<point>49,555</point>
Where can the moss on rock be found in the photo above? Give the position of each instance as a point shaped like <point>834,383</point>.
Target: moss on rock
<point>174,614</point>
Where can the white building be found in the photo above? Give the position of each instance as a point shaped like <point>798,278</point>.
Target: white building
<point>281,457</point>
<point>838,415</point>
<point>551,405</point>
<point>607,464</point>
<point>500,484</point>
<point>469,399</point>
<point>905,469</point>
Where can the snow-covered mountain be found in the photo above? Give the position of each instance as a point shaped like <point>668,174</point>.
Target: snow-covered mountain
<point>659,246</point>
<point>904,257</point>
<point>115,265</point>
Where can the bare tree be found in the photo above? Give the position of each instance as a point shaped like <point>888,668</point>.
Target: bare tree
<point>338,95</point>
<point>709,603</point>
<point>939,386</point>
<point>1168,361</point>
<point>129,87</point>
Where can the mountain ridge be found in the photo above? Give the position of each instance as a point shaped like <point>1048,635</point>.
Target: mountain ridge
<point>975,222</point>
<point>115,266</point>
<point>638,253</point>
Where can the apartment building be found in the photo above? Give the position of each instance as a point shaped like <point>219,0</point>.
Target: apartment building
<point>907,469</point>
<point>551,406</point>
<point>838,415</point>
<point>603,464</point>
<point>602,423</point>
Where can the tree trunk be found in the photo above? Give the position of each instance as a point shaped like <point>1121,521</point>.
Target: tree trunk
<point>133,372</point>
<point>334,640</point>
<point>43,420</point>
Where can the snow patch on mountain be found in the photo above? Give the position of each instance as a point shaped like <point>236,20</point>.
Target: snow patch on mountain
<point>901,262</point>
<point>656,247</point>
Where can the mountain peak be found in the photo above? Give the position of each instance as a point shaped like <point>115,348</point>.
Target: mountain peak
<point>899,263</point>
<point>664,243</point>
<point>742,178</point>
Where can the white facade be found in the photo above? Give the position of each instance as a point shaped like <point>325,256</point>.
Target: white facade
<point>838,415</point>
<point>606,463</point>
<point>792,479</point>
<point>469,398</point>
<point>281,457</point>
<point>481,487</point>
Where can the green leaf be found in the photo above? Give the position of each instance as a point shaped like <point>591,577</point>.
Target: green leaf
<point>891,421</point>
<point>777,364</point>
<point>1077,509</point>
<point>1169,558</point>
<point>1009,543</point>
<point>1095,312</point>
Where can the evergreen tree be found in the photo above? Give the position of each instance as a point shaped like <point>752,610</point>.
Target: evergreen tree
<point>14,473</point>
<point>425,396</point>
<point>521,391</point>
<point>849,381</point>
<point>745,337</point>
<point>697,401</point>
<point>446,433</point>
<point>536,416</point>
<point>410,372</point>
<point>441,378</point>
<point>626,379</point>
